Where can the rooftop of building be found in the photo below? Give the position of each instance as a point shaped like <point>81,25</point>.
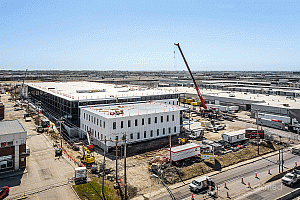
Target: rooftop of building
<point>261,99</point>
<point>11,127</point>
<point>83,90</point>
<point>132,109</point>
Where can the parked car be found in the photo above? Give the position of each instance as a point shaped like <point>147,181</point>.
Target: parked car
<point>4,192</point>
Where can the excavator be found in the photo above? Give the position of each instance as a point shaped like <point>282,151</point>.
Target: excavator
<point>87,157</point>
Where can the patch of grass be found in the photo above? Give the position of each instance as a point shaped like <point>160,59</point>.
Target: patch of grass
<point>93,191</point>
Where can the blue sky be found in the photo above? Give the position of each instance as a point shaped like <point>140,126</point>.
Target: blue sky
<point>139,35</point>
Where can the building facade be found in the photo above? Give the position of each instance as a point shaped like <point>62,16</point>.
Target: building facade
<point>13,145</point>
<point>139,121</point>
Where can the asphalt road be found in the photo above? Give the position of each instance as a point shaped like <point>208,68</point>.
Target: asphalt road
<point>233,178</point>
<point>45,177</point>
<point>273,190</point>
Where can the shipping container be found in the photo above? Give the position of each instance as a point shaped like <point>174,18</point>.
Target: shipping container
<point>284,119</point>
<point>184,151</point>
<point>273,124</point>
<point>234,136</point>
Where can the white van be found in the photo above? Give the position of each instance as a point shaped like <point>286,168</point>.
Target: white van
<point>200,183</point>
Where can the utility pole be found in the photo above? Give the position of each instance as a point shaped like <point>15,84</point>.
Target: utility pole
<point>282,160</point>
<point>257,135</point>
<point>39,105</point>
<point>125,180</point>
<point>103,172</point>
<point>117,161</point>
<point>279,160</point>
<point>170,141</point>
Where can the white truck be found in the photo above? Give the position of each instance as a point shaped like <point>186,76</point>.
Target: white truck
<point>80,175</point>
<point>184,151</point>
<point>196,133</point>
<point>291,178</point>
<point>201,183</point>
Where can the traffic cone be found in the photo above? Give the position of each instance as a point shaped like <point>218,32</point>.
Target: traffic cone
<point>256,175</point>
<point>228,195</point>
<point>192,196</point>
<point>249,185</point>
<point>242,180</point>
<point>269,171</point>
<point>295,163</point>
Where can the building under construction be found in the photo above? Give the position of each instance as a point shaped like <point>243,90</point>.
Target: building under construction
<point>63,99</point>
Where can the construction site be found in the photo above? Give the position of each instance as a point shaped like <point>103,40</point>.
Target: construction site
<point>126,133</point>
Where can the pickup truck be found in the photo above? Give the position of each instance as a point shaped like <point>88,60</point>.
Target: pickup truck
<point>291,178</point>
<point>201,183</point>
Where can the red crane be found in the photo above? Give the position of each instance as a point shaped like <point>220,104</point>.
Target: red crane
<point>197,89</point>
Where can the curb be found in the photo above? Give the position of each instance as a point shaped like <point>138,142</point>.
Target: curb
<point>232,166</point>
<point>215,172</point>
<point>290,195</point>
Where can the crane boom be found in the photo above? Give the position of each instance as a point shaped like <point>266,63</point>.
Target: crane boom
<point>196,86</point>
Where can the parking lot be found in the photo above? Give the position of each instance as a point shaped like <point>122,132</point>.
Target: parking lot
<point>45,176</point>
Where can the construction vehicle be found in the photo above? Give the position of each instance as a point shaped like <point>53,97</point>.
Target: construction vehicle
<point>80,175</point>
<point>201,183</point>
<point>40,129</point>
<point>181,140</point>
<point>196,86</point>
<point>58,152</point>
<point>87,157</point>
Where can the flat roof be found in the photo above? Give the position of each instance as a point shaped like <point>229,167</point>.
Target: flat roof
<point>132,109</point>
<point>11,127</point>
<point>259,99</point>
<point>83,90</point>
<point>233,133</point>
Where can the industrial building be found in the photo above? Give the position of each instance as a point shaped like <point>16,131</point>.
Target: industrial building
<point>63,99</point>
<point>139,121</point>
<point>13,145</point>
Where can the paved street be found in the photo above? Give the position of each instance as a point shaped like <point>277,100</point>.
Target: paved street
<point>45,176</point>
<point>233,177</point>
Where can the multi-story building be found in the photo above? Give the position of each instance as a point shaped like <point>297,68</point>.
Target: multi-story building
<point>12,145</point>
<point>139,121</point>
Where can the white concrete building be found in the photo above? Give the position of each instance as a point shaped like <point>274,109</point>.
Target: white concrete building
<point>139,121</point>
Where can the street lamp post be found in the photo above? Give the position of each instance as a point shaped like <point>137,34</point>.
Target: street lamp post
<point>168,189</point>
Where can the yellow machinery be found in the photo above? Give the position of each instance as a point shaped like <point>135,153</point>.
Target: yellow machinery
<point>181,140</point>
<point>188,101</point>
<point>182,100</point>
<point>194,103</point>
<point>87,157</point>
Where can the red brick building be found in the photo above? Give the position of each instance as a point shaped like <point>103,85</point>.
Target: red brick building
<point>12,145</point>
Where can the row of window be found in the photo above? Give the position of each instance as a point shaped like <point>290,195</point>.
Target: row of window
<point>158,133</point>
<point>96,121</point>
<point>142,122</point>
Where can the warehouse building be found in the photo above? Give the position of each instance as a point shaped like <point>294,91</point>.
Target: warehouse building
<point>63,99</point>
<point>13,145</point>
<point>139,121</point>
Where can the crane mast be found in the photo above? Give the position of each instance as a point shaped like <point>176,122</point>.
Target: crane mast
<point>196,86</point>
